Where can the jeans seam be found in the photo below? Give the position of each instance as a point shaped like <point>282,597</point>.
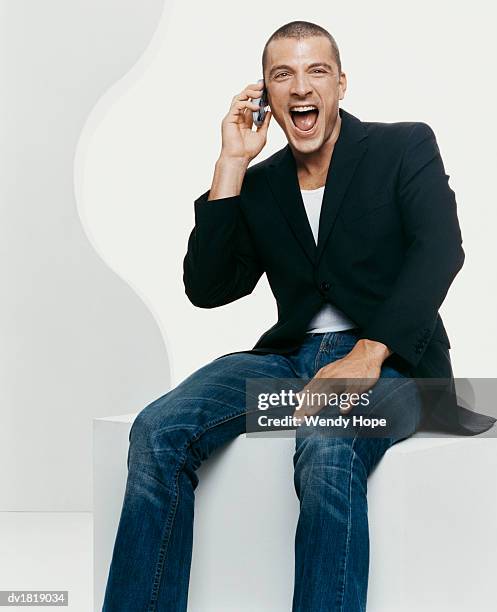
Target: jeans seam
<point>349,521</point>
<point>165,540</point>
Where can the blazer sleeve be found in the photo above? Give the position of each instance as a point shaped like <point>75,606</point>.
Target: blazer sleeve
<point>221,264</point>
<point>405,321</point>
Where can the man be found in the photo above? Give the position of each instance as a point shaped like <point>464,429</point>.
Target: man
<point>356,228</point>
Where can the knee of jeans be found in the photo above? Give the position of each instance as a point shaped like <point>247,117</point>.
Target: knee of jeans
<point>157,428</point>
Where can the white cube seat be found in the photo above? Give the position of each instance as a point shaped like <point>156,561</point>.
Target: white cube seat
<point>432,507</point>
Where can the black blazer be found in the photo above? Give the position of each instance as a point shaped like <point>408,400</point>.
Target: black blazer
<point>389,246</point>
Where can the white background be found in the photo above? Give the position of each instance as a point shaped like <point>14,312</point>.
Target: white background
<point>117,209</point>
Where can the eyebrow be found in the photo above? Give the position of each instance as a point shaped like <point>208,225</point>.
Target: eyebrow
<point>313,65</point>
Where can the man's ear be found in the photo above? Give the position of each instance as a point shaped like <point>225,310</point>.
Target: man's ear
<point>342,85</point>
<point>268,99</point>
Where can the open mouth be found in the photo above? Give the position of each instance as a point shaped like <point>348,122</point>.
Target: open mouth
<point>304,118</point>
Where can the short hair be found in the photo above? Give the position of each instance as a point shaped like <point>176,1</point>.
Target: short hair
<point>302,29</point>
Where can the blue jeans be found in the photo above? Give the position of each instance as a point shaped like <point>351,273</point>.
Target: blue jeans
<point>173,435</point>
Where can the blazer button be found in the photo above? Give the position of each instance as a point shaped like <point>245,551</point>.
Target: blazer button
<point>325,285</point>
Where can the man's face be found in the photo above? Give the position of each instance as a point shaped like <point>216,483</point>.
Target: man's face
<point>299,73</point>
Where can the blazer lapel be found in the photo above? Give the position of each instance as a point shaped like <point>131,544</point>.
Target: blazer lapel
<point>283,179</point>
<point>349,149</point>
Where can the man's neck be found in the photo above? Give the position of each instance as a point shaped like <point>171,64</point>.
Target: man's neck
<point>312,168</point>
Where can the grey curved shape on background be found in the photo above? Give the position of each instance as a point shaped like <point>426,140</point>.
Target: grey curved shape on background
<point>77,341</point>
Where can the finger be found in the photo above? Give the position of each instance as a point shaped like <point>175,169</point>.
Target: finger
<point>247,94</point>
<point>259,86</point>
<point>298,418</point>
<point>241,105</point>
<point>315,399</point>
<point>345,409</point>
<point>248,118</point>
<point>256,88</point>
<point>236,112</point>
<point>352,391</point>
<point>265,124</point>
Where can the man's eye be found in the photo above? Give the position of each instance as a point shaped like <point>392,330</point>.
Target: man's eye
<point>318,70</point>
<point>281,74</point>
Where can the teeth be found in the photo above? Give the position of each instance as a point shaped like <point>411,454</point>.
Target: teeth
<point>302,109</point>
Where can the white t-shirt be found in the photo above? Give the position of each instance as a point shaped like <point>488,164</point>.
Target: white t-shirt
<point>329,318</point>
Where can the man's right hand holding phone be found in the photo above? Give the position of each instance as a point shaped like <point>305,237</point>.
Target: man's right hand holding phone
<point>240,144</point>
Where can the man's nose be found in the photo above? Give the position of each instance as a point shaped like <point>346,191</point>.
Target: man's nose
<point>301,86</point>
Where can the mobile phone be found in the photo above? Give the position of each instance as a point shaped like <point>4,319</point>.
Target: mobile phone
<point>259,115</point>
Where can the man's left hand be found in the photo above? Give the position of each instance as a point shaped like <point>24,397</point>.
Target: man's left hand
<point>355,373</point>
